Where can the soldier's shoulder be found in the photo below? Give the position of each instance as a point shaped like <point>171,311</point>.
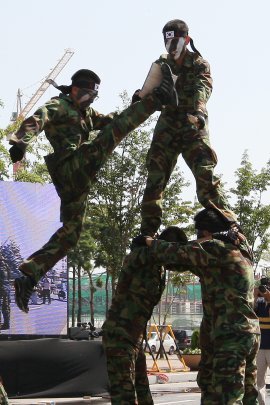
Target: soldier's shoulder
<point>56,100</point>
<point>200,61</point>
<point>217,247</point>
<point>165,57</point>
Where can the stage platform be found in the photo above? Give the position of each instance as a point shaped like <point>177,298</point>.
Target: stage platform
<point>46,368</point>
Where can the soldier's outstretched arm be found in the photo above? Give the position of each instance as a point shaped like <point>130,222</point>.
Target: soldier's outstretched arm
<point>190,254</point>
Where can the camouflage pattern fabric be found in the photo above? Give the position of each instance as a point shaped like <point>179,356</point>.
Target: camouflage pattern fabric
<point>139,289</point>
<point>230,328</point>
<point>227,371</point>
<point>3,395</point>
<point>175,135</point>
<point>74,163</point>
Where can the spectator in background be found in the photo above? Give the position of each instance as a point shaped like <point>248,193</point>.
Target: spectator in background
<point>262,309</point>
<point>4,298</point>
<point>46,290</point>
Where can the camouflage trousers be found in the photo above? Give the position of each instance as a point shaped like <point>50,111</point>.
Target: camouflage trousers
<point>174,136</point>
<point>127,371</point>
<point>3,395</point>
<point>227,372</point>
<point>72,179</point>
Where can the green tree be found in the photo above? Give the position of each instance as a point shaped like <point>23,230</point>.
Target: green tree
<point>253,214</point>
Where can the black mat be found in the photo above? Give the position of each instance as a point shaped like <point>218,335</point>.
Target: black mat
<point>53,368</point>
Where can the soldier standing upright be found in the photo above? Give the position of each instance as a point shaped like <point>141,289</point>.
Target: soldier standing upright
<point>230,330</point>
<point>67,121</point>
<point>182,129</point>
<point>140,287</point>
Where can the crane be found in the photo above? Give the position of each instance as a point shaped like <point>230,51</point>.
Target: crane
<point>22,112</point>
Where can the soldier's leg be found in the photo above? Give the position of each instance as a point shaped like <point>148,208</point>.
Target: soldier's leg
<point>202,160</point>
<point>229,369</point>
<point>251,389</point>
<point>205,373</point>
<point>161,160</point>
<point>261,375</point>
<point>65,238</point>
<point>121,369</point>
<point>141,380</point>
<point>92,155</point>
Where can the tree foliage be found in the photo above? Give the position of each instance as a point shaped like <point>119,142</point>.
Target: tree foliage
<point>253,214</point>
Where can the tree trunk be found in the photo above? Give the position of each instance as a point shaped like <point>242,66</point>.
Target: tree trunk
<point>73,296</point>
<point>79,313</point>
<point>107,294</point>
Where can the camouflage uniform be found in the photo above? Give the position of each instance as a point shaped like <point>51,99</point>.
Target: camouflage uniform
<point>175,135</point>
<point>74,163</point>
<point>139,289</point>
<point>230,329</point>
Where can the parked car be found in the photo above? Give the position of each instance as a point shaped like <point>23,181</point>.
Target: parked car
<point>183,338</point>
<point>154,343</point>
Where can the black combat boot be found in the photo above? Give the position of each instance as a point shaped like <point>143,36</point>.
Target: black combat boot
<point>24,287</point>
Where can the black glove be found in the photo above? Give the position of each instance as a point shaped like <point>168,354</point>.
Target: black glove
<point>166,91</point>
<point>230,236</point>
<point>16,154</point>
<point>201,120</point>
<point>136,96</point>
<point>138,241</point>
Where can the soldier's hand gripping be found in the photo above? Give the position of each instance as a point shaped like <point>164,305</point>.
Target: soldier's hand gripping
<point>197,119</point>
<point>166,91</point>
<point>16,154</point>
<point>138,241</point>
<point>136,96</point>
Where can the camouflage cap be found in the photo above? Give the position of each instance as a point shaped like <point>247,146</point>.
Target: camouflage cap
<point>85,78</point>
<point>175,28</point>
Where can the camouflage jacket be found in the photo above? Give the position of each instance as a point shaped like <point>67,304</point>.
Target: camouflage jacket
<point>227,281</point>
<point>139,289</point>
<point>194,83</point>
<point>65,126</point>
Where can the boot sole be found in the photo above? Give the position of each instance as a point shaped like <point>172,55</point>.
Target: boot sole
<point>18,298</point>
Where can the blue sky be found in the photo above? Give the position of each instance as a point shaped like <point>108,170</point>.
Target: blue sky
<point>119,40</point>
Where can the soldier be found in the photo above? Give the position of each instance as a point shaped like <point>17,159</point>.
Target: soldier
<point>67,121</point>
<point>139,289</point>
<point>182,129</point>
<point>262,309</point>
<point>230,328</point>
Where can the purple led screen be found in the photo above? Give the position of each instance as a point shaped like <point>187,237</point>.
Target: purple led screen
<point>29,215</point>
